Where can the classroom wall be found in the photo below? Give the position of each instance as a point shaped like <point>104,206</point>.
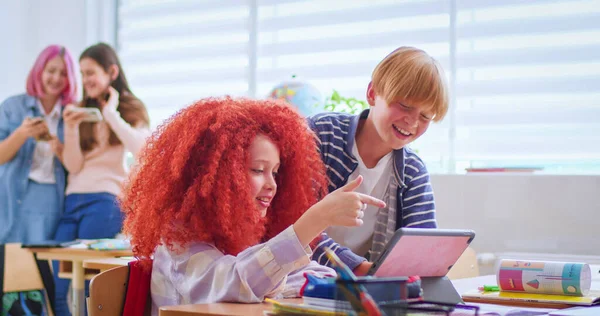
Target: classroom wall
<point>27,26</point>
<point>523,212</point>
<point>510,213</point>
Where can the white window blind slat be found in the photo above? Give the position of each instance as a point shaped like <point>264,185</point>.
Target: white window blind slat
<point>195,89</point>
<point>324,13</point>
<point>517,85</point>
<point>189,51</point>
<point>194,27</point>
<point>501,148</point>
<point>498,10</point>
<point>552,119</point>
<point>188,75</point>
<point>486,4</point>
<point>134,9</point>
<point>518,57</point>
<point>418,37</point>
<point>529,26</point>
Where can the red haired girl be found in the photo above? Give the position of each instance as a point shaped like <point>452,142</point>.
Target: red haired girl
<point>224,199</point>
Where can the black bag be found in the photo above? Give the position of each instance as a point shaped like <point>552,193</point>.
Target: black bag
<point>26,303</point>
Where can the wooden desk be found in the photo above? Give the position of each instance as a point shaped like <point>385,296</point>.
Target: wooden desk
<point>221,309</point>
<point>75,257</point>
<point>468,284</point>
<point>104,264</point>
<point>233,309</point>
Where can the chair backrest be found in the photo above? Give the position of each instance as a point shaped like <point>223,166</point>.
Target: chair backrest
<point>20,270</point>
<point>25,283</point>
<point>465,267</point>
<point>107,292</point>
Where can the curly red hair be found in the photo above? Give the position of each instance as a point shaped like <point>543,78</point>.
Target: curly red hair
<point>192,183</point>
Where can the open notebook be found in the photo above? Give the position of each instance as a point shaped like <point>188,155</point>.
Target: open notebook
<point>529,299</point>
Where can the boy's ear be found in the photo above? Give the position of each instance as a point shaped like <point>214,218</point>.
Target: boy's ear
<point>371,94</point>
<point>113,71</point>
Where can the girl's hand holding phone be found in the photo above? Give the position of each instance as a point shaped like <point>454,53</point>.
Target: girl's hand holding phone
<point>72,117</point>
<point>32,127</point>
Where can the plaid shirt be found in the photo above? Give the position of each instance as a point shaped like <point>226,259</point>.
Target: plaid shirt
<point>201,273</point>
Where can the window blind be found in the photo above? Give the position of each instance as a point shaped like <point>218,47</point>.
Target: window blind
<point>176,52</point>
<point>524,75</point>
<point>528,84</point>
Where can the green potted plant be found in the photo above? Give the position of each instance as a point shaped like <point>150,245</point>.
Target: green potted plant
<point>337,103</point>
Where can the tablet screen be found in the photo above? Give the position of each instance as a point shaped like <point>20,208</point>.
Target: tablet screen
<point>422,252</point>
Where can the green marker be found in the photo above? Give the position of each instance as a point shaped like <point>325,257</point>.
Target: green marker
<point>490,288</point>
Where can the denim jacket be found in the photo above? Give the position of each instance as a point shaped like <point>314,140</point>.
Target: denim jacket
<point>14,174</point>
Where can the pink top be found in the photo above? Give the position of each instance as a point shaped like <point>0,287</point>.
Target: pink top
<point>102,169</point>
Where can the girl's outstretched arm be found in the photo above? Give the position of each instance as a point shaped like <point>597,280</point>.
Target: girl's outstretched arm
<point>203,274</point>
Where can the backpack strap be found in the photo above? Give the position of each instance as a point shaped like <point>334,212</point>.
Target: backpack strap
<point>47,279</point>
<point>137,294</point>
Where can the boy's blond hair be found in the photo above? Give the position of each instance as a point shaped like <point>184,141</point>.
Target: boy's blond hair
<point>410,75</point>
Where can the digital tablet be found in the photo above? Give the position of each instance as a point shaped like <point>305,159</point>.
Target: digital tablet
<point>50,244</point>
<point>424,252</point>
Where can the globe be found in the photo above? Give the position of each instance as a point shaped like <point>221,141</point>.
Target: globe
<point>304,96</point>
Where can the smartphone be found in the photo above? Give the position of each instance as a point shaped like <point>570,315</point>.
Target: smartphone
<point>43,137</point>
<point>92,114</point>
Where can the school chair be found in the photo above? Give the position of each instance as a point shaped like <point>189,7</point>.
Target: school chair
<point>465,267</point>
<point>23,275</point>
<point>120,291</point>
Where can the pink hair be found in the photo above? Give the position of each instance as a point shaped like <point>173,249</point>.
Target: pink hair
<point>34,79</point>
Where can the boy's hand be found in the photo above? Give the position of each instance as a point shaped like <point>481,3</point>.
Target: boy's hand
<point>363,268</point>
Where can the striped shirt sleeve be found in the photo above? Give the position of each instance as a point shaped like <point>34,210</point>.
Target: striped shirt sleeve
<point>331,130</point>
<point>418,204</point>
<point>346,255</point>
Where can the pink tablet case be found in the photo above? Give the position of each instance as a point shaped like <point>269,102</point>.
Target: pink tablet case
<point>425,256</point>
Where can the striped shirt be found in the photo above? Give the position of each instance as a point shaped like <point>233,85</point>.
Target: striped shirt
<point>201,273</point>
<point>409,200</point>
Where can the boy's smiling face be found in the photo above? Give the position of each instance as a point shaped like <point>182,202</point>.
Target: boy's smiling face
<point>398,124</point>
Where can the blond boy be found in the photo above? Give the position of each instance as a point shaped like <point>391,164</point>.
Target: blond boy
<point>407,91</point>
